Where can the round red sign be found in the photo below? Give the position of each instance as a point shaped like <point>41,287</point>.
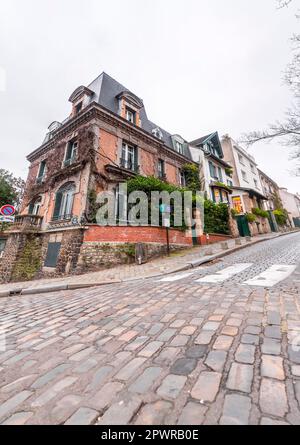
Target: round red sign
<point>7,210</point>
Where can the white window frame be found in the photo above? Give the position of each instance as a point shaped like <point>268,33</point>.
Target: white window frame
<point>179,147</point>
<point>241,159</point>
<point>130,115</point>
<point>182,179</point>
<point>244,175</point>
<point>74,152</point>
<point>40,177</point>
<point>127,152</point>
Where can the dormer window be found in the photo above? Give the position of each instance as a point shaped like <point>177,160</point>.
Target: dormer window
<point>71,153</point>
<point>157,133</point>
<point>130,115</point>
<point>78,107</point>
<point>179,147</point>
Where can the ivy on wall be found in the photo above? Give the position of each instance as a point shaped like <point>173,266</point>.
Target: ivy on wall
<point>29,262</point>
<point>54,161</point>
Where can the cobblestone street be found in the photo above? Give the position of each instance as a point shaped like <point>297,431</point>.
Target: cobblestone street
<point>207,346</point>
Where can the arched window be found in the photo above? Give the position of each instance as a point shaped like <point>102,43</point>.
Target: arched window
<point>64,201</point>
<point>34,206</point>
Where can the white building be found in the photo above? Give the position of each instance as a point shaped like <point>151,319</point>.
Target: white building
<point>291,203</point>
<point>207,151</point>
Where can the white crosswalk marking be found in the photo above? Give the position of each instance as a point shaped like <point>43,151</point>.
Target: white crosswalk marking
<point>225,274</point>
<point>272,276</point>
<point>176,277</point>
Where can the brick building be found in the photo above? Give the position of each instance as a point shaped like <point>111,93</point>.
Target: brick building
<point>107,139</point>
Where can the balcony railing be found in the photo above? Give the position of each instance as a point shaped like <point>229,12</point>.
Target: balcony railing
<point>129,165</point>
<point>40,179</point>
<point>26,223</point>
<point>69,161</point>
<point>65,217</point>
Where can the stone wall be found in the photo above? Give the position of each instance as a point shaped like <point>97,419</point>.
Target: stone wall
<point>96,255</point>
<point>71,241</point>
<point>13,245</point>
<point>233,227</point>
<point>29,259</point>
<point>22,257</point>
<point>264,226</point>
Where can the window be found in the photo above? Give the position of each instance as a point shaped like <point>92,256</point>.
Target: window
<point>179,147</point>
<point>78,108</point>
<point>130,115</point>
<point>229,183</point>
<point>71,153</point>
<point>256,183</point>
<point>42,172</point>
<point>34,206</point>
<point>64,202</point>
<point>157,133</point>
<point>161,168</point>
<point>244,176</point>
<point>129,157</point>
<point>182,179</point>
<point>241,159</point>
<point>220,176</point>
<point>213,171</point>
<point>253,169</point>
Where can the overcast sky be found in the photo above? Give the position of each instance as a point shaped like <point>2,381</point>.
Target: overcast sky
<point>199,66</point>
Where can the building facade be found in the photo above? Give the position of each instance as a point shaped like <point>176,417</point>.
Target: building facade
<point>106,140</point>
<point>217,174</point>
<point>291,203</point>
<point>271,191</point>
<point>247,191</point>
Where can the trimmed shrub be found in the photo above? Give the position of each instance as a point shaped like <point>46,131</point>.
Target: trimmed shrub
<point>216,217</point>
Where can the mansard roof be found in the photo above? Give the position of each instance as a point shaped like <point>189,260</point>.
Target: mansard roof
<point>107,92</point>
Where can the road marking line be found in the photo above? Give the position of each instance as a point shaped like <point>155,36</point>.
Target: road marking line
<point>272,276</point>
<point>225,274</point>
<point>176,277</point>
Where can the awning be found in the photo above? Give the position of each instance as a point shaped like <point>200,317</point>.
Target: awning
<point>251,192</point>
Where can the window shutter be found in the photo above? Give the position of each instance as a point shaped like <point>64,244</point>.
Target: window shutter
<point>58,199</point>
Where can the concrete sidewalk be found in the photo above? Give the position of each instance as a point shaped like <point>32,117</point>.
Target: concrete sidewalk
<point>177,262</point>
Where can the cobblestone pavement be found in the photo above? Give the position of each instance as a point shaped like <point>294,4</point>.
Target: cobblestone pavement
<point>154,352</point>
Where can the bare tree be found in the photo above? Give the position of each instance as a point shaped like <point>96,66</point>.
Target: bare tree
<point>289,129</point>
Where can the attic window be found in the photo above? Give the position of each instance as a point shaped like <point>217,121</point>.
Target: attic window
<point>130,115</point>
<point>179,147</point>
<point>78,108</point>
<point>157,133</point>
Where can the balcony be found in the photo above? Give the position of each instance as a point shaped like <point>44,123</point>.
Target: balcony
<point>69,161</point>
<point>26,223</point>
<point>40,179</point>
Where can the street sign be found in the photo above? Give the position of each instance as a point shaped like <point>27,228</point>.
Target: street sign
<point>7,210</point>
<point>7,219</point>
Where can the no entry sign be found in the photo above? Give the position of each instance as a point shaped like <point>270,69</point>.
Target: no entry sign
<point>7,210</point>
